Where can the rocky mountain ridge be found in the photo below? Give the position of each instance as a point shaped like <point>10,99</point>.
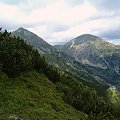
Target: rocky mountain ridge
<point>86,56</point>
<point>101,58</point>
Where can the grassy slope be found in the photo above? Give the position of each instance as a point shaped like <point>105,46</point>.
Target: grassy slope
<point>33,97</point>
<point>114,96</point>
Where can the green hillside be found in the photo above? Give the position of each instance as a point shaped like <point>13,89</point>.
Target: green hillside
<point>31,96</point>
<point>31,89</point>
<point>62,60</point>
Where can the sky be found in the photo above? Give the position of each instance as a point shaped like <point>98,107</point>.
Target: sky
<point>58,21</point>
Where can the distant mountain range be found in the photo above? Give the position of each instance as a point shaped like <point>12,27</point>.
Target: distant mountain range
<point>31,88</point>
<point>89,49</point>
<point>53,55</point>
<point>86,56</point>
<point>103,58</point>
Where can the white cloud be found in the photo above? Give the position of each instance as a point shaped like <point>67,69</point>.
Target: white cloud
<point>58,20</point>
<point>115,41</point>
<point>8,12</point>
<point>95,27</point>
<point>60,12</point>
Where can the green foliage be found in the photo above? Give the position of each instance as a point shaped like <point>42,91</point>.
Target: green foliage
<point>16,57</point>
<point>114,96</point>
<point>84,99</point>
<point>61,60</point>
<point>32,95</point>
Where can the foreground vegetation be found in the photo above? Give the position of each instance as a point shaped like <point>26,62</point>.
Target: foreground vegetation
<point>32,89</point>
<point>31,96</point>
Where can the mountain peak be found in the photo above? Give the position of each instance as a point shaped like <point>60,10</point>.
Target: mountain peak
<point>21,28</point>
<point>23,32</point>
<point>90,35</point>
<point>86,37</point>
<point>33,39</point>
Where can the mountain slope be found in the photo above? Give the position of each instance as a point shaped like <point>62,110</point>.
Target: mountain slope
<point>51,53</point>
<point>60,59</point>
<point>29,94</point>
<point>33,39</point>
<point>97,55</point>
<point>88,49</point>
<point>32,96</point>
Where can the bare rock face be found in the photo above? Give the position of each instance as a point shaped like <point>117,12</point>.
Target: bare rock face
<point>89,49</point>
<point>14,117</point>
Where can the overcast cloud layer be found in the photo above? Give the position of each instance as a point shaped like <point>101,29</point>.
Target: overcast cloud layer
<point>58,21</point>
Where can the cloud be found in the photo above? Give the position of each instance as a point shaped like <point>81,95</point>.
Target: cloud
<point>109,5</point>
<point>113,33</point>
<point>60,13</point>
<point>114,41</point>
<point>58,21</point>
<point>8,11</point>
<point>56,27</point>
<point>11,2</point>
